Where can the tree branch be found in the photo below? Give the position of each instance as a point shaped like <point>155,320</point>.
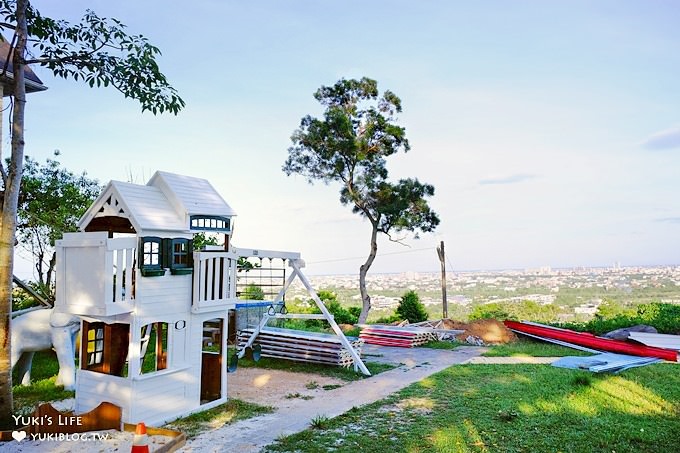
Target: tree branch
<point>4,175</point>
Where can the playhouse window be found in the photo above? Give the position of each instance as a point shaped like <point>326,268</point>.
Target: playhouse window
<point>177,255</point>
<point>151,256</point>
<point>95,345</point>
<point>151,252</point>
<point>210,223</point>
<point>104,347</point>
<point>154,347</point>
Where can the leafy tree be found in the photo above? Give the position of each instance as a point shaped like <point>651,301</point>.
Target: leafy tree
<point>411,309</point>
<point>493,310</point>
<point>252,292</point>
<point>96,50</point>
<point>610,308</point>
<point>201,239</point>
<point>51,202</point>
<point>341,314</point>
<point>350,145</point>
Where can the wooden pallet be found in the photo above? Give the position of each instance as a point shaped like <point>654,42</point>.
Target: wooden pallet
<point>404,337</point>
<point>301,346</point>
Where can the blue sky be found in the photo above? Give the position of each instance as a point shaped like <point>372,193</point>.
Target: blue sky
<point>550,130</point>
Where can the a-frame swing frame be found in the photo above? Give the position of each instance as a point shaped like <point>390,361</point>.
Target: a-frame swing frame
<point>297,265</point>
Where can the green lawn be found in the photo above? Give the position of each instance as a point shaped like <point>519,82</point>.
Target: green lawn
<point>444,344</point>
<point>522,408</point>
<point>346,374</point>
<point>42,389</point>
<point>531,348</point>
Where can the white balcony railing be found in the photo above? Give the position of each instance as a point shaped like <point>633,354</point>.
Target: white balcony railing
<point>214,280</point>
<point>95,273</point>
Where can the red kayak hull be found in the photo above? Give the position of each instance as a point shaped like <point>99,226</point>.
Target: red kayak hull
<point>591,341</point>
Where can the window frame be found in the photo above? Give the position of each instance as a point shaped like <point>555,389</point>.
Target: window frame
<point>222,224</point>
<point>114,342</point>
<point>151,269</point>
<point>181,268</point>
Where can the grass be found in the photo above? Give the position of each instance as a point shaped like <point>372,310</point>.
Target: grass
<point>291,396</point>
<point>225,414</point>
<point>522,408</point>
<point>346,374</point>
<point>320,422</point>
<point>445,344</point>
<point>530,348</point>
<point>42,389</point>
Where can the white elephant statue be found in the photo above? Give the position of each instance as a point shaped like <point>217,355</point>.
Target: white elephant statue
<point>42,330</point>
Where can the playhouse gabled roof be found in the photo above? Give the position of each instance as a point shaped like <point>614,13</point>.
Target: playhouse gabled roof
<point>165,203</point>
<point>193,196</point>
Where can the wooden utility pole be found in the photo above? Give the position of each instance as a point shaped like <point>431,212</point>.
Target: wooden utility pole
<point>442,262</point>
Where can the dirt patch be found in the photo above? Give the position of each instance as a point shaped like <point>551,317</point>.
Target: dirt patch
<point>273,387</point>
<point>490,331</point>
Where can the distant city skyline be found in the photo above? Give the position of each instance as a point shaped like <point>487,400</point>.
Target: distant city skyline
<point>550,130</point>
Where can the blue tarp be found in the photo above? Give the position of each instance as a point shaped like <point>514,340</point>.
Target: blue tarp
<point>607,361</point>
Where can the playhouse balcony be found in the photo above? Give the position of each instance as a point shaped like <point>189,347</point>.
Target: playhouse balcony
<point>221,278</point>
<point>96,274</point>
<point>214,281</point>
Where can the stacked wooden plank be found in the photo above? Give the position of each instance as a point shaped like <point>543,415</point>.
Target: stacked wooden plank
<point>302,346</point>
<point>403,337</point>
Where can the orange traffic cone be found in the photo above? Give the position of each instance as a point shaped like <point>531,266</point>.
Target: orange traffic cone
<point>140,443</point>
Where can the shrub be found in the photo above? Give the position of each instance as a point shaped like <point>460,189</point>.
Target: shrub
<point>252,292</point>
<point>341,314</point>
<point>493,310</point>
<point>388,319</point>
<point>411,309</point>
<point>663,317</point>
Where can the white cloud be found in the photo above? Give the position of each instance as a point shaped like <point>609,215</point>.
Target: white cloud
<point>667,139</point>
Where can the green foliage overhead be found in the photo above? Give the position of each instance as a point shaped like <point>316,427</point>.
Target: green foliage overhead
<point>99,51</point>
<point>411,309</point>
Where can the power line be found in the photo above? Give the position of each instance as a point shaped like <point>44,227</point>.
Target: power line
<point>363,257</point>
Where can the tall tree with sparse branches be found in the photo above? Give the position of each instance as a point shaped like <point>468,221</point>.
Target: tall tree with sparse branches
<point>96,50</point>
<point>350,145</point>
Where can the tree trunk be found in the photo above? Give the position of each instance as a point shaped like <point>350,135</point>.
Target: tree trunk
<point>50,272</point>
<point>363,270</point>
<point>9,218</point>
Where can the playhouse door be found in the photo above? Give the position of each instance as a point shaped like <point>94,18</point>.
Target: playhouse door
<point>211,362</point>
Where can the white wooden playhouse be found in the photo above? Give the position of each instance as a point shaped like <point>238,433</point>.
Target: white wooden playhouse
<point>132,277</point>
<point>154,311</point>
<point>148,301</point>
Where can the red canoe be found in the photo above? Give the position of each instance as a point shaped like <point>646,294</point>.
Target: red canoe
<point>591,341</point>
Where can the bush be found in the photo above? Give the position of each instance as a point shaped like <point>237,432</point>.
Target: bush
<point>493,310</point>
<point>663,317</point>
<point>411,309</point>
<point>341,314</point>
<point>388,319</point>
<point>252,292</point>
